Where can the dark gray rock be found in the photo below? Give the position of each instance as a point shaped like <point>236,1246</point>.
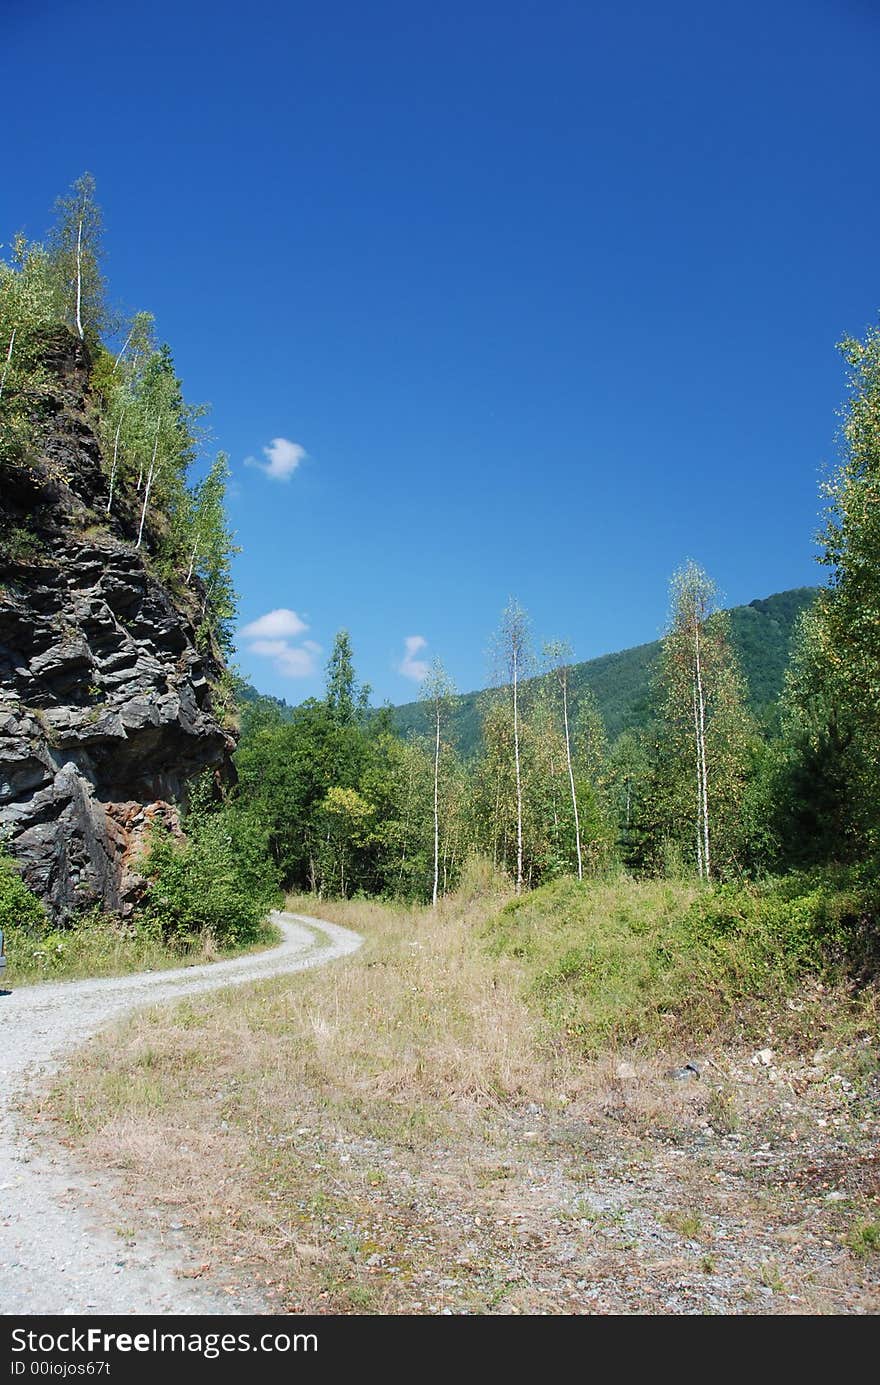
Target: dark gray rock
<point>105,701</point>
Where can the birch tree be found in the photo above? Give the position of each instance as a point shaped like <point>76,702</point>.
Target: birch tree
<point>209,535</point>
<point>692,601</point>
<point>848,612</point>
<point>558,655</point>
<point>211,552</point>
<point>514,650</point>
<point>152,472</point>
<point>26,310</point>
<point>76,253</point>
<point>704,723</point>
<point>437,689</point>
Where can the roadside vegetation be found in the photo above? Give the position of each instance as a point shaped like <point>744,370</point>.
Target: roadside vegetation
<point>207,897</point>
<point>100,944</point>
<point>439,1123</point>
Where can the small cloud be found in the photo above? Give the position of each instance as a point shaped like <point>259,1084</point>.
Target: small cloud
<point>269,637</point>
<point>282,459</point>
<point>410,666</point>
<point>274,625</point>
<point>297,663</point>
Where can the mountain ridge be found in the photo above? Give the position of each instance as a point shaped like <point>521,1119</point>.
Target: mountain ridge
<point>761,633</point>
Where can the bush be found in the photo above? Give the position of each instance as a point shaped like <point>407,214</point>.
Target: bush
<point>820,921</point>
<point>221,878</point>
<point>19,907</point>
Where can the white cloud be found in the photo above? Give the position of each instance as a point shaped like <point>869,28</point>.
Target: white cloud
<point>270,649</point>
<point>274,625</point>
<point>282,459</point>
<point>269,637</point>
<point>410,666</point>
<point>297,663</point>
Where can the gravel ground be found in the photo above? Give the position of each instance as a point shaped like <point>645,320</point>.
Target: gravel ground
<point>57,1252</point>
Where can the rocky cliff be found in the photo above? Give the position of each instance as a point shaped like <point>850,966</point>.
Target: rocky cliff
<point>105,699</point>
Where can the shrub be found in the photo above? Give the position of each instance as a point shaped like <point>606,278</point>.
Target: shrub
<point>19,907</point>
<point>818,921</point>
<point>221,878</point>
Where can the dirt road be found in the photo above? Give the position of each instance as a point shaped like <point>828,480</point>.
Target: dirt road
<point>58,1254</point>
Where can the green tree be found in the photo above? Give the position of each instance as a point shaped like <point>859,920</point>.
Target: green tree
<point>705,728</point>
<point>437,690</point>
<point>26,314</point>
<point>19,907</point>
<point>558,655</point>
<point>211,548</point>
<point>818,780</point>
<point>513,648</point>
<point>343,695</point>
<point>346,818</point>
<point>76,252</point>
<point>844,636</point>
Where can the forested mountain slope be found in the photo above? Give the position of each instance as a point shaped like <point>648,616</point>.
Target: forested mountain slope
<point>760,633</point>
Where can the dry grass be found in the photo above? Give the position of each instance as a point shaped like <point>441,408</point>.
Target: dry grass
<point>398,1133</point>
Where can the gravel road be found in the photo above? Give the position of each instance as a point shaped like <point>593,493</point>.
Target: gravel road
<point>58,1254</point>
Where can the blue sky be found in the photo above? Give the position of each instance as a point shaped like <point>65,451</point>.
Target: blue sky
<point>536,299</point>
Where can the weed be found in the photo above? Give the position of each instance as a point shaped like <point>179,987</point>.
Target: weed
<point>863,1239</point>
<point>687,1224</point>
<point>771,1278</point>
<point>721,1111</point>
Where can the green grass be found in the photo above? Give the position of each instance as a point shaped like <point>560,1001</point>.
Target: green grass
<point>626,960</point>
<point>863,1239</point>
<point>686,1224</point>
<point>102,946</point>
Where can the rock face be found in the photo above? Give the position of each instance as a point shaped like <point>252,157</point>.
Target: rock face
<point>105,700</point>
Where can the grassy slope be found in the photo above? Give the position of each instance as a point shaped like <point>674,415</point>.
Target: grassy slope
<point>418,1129</point>
<point>761,633</point>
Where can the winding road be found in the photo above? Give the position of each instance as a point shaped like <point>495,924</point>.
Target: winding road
<point>57,1255</point>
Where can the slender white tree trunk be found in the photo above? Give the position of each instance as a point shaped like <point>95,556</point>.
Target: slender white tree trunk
<point>554,798</point>
<point>574,801</point>
<point>149,486</point>
<point>701,703</point>
<point>519,832</point>
<point>79,326</point>
<point>192,560</point>
<point>700,867</point>
<point>125,346</point>
<point>113,467</point>
<point>436,802</point>
<point>8,361</point>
